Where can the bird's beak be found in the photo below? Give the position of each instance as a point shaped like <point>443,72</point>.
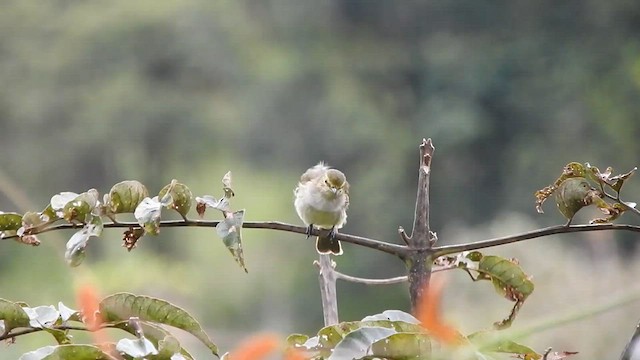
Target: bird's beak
<point>334,190</point>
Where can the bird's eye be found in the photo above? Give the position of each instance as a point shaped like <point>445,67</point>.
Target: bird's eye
<point>326,182</point>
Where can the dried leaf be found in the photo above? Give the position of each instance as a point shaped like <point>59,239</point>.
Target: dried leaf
<point>229,230</point>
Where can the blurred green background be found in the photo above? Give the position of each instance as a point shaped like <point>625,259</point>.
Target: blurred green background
<point>95,92</point>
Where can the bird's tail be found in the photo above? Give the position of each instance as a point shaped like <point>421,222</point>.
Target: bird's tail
<point>327,244</point>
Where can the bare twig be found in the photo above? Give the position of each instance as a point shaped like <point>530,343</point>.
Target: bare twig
<point>558,229</point>
<point>393,249</point>
<point>328,293</point>
<point>354,279</point>
<point>420,258</point>
<point>403,235</point>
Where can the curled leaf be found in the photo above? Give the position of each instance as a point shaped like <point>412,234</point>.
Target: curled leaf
<point>229,230</point>
<point>125,196</point>
<point>180,197</point>
<point>81,207</point>
<point>75,248</point>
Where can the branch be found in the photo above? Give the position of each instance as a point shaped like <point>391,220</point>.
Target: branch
<point>558,229</point>
<point>11,335</point>
<point>389,248</point>
<point>393,280</point>
<point>420,231</point>
<point>328,292</point>
<point>422,238</point>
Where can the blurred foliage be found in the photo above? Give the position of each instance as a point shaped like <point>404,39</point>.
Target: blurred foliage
<point>97,92</point>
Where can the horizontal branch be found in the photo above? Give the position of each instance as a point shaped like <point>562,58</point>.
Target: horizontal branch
<point>30,330</point>
<point>558,229</point>
<point>354,279</point>
<point>393,249</point>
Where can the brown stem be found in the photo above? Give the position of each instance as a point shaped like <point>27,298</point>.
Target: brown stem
<point>328,293</point>
<point>389,248</point>
<point>558,229</point>
<point>419,260</point>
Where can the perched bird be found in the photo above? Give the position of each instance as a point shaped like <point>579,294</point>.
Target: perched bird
<point>322,198</point>
<point>573,194</point>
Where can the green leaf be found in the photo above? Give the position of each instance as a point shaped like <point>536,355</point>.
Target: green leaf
<point>297,339</point>
<point>62,337</point>
<point>122,306</point>
<point>13,315</point>
<point>125,196</point>
<point>491,341</point>
<point>403,346</point>
<point>10,221</point>
<point>181,197</point>
<point>77,209</point>
<point>148,215</point>
<point>229,230</point>
<point>66,352</point>
<point>358,343</point>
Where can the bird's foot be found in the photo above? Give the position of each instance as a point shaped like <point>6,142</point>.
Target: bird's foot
<point>332,233</point>
<point>309,230</point>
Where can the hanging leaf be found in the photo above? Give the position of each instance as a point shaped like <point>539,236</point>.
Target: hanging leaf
<point>75,248</point>
<point>229,230</point>
<point>124,197</point>
<point>148,215</point>
<point>509,280</point>
<point>181,197</point>
<point>122,306</point>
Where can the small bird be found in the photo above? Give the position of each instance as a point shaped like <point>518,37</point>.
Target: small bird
<point>322,199</point>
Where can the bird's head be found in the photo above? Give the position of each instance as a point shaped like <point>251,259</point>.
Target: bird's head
<point>336,181</point>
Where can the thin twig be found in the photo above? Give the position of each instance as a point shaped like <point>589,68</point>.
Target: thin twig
<point>389,281</point>
<point>389,248</point>
<point>404,236</point>
<point>627,354</point>
<point>558,229</point>
<point>11,335</point>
